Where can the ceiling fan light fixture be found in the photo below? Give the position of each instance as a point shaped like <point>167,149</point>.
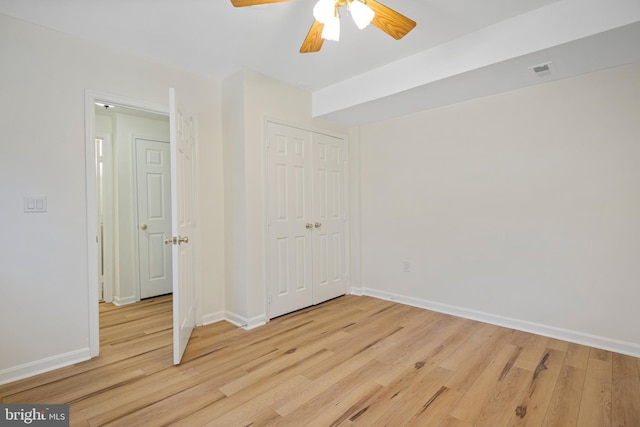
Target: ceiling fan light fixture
<point>361,13</point>
<point>324,10</point>
<point>326,25</point>
<point>331,30</point>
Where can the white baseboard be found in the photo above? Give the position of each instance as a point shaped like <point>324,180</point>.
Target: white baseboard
<point>123,301</point>
<point>356,291</point>
<point>19,372</point>
<point>210,318</point>
<point>255,322</point>
<point>623,347</point>
<point>245,323</point>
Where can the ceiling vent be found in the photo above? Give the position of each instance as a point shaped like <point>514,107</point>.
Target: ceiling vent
<point>542,70</point>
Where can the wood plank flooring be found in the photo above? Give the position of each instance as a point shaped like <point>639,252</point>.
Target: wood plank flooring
<point>353,361</point>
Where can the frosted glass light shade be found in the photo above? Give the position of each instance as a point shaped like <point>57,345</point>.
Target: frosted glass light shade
<point>324,10</point>
<point>331,30</point>
<point>361,13</point>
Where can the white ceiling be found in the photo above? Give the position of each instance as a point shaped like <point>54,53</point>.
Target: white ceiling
<point>455,41</point>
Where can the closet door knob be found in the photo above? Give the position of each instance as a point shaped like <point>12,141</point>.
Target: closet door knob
<point>318,225</point>
<point>309,226</point>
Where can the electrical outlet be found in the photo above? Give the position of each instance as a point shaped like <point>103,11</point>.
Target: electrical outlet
<point>406,266</point>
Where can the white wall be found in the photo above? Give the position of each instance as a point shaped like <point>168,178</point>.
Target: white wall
<point>521,208</point>
<point>235,198</point>
<point>43,263</point>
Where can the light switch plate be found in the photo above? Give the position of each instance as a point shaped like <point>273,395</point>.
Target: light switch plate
<point>35,204</point>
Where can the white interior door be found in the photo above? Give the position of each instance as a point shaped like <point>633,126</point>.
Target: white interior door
<point>182,223</point>
<point>153,179</point>
<point>329,215</point>
<point>290,231</point>
<point>306,218</point>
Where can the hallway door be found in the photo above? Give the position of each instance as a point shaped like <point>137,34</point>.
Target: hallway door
<point>153,182</point>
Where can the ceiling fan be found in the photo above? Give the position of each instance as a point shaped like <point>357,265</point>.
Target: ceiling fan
<point>326,24</point>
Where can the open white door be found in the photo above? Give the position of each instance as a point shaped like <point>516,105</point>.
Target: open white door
<point>182,149</point>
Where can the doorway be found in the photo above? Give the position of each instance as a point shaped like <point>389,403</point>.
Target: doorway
<point>121,158</point>
<point>133,190</point>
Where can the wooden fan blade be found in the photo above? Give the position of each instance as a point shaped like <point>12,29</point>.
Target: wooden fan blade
<point>390,21</point>
<point>313,41</point>
<point>243,3</point>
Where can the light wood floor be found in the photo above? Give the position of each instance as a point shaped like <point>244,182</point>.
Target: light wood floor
<point>351,361</point>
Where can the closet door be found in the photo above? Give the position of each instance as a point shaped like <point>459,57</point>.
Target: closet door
<point>329,216</point>
<point>306,218</point>
<point>290,229</point>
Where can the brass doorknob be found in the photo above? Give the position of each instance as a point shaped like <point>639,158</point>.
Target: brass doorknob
<point>318,224</point>
<point>309,226</point>
<point>143,226</point>
<point>184,239</point>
